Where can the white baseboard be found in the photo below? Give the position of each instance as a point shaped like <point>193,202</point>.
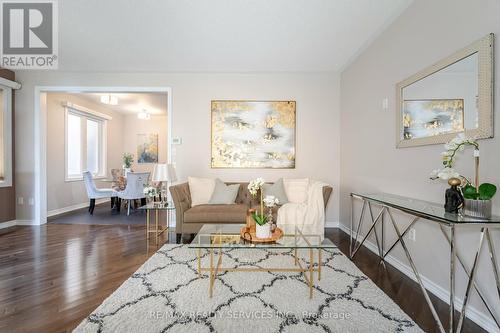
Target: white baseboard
<point>7,224</point>
<point>331,224</point>
<point>71,208</point>
<point>482,319</point>
<point>13,223</point>
<point>26,222</point>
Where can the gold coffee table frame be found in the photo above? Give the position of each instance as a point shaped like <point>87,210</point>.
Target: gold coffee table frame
<point>220,241</point>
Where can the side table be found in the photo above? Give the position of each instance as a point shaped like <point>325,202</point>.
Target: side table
<point>156,208</point>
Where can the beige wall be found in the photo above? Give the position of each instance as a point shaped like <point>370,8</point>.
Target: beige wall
<point>62,193</point>
<point>426,32</point>
<point>317,120</point>
<point>133,126</point>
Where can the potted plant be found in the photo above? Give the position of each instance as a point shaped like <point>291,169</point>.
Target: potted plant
<point>262,228</point>
<point>477,197</point>
<point>128,158</point>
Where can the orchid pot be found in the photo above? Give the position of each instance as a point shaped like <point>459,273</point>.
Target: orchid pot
<point>263,231</point>
<point>477,208</point>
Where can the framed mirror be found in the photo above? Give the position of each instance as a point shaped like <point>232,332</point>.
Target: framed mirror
<point>452,96</point>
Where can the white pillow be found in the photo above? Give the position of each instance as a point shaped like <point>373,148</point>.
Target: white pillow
<point>201,190</point>
<point>296,189</point>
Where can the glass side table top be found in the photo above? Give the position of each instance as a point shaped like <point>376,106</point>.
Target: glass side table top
<point>228,236</point>
<point>158,206</point>
<point>425,209</point>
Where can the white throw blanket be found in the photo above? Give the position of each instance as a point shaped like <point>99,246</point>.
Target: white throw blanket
<point>308,216</point>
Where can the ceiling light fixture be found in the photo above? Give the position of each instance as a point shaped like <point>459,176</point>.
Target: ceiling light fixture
<point>144,115</point>
<point>109,99</point>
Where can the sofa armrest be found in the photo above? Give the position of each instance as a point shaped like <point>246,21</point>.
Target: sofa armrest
<point>327,191</point>
<point>182,201</point>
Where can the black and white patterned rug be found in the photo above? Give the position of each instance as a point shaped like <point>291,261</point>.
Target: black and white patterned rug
<point>166,295</point>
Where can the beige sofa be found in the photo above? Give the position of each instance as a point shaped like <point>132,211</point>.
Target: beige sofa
<point>189,219</point>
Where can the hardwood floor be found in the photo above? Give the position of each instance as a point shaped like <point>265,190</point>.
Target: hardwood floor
<point>53,276</point>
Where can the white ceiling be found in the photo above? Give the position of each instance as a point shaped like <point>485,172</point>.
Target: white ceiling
<point>131,103</point>
<point>218,35</point>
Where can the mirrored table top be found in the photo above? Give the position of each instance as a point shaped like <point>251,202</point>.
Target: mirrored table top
<point>425,209</point>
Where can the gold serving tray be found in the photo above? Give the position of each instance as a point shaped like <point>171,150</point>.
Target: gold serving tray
<point>248,234</point>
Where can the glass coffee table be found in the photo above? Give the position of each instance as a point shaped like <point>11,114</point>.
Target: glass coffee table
<point>215,238</point>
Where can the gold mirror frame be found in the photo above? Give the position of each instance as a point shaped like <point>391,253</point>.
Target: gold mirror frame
<point>484,48</point>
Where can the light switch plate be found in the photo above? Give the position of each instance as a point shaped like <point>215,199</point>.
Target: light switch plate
<point>385,104</point>
<point>176,141</point>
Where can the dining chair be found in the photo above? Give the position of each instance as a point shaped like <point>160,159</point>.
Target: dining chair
<point>136,181</point>
<point>96,193</point>
<point>119,180</point>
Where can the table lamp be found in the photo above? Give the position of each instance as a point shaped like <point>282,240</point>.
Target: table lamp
<point>164,173</point>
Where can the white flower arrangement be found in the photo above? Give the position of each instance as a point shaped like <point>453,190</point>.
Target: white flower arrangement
<point>271,201</point>
<point>255,185</point>
<point>451,148</point>
<point>470,191</point>
<point>150,191</point>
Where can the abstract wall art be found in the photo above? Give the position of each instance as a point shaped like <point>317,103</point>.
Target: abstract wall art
<point>147,148</point>
<point>253,134</point>
<point>425,118</point>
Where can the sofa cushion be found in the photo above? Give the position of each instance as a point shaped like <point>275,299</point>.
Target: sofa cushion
<point>277,190</point>
<point>216,213</point>
<point>296,189</point>
<point>224,194</point>
<point>201,190</point>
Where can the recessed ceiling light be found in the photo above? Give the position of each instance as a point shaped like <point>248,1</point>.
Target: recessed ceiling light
<point>109,99</point>
<point>144,115</point>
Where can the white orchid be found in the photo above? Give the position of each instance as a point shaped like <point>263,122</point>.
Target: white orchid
<point>451,148</point>
<point>255,185</point>
<point>448,173</point>
<point>271,201</point>
<point>456,144</point>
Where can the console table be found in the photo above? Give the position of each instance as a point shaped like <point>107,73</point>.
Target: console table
<point>428,212</point>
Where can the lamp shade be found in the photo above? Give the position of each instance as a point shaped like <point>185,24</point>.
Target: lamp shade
<point>164,173</point>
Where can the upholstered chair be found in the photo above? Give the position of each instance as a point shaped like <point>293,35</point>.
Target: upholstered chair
<point>136,181</point>
<point>119,180</point>
<point>96,193</point>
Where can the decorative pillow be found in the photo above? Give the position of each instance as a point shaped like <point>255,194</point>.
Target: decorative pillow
<point>278,190</point>
<point>296,189</point>
<point>201,190</point>
<point>224,194</point>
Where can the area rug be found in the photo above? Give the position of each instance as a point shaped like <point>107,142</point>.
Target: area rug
<point>166,295</point>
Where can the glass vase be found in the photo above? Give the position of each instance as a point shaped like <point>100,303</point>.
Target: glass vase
<point>270,219</point>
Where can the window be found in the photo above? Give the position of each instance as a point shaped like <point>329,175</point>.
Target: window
<point>5,136</point>
<point>85,143</point>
